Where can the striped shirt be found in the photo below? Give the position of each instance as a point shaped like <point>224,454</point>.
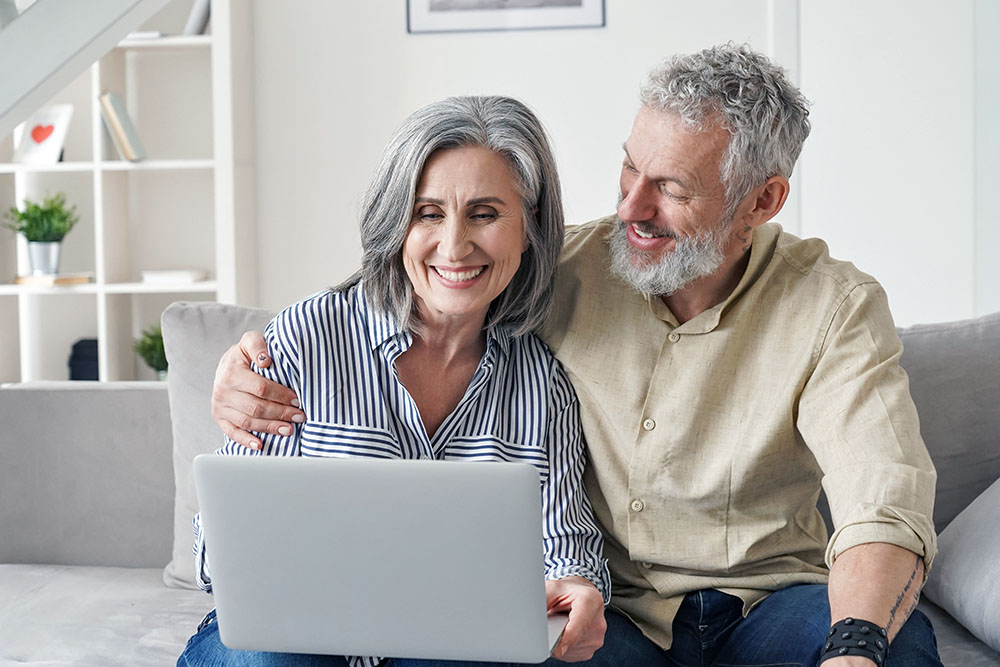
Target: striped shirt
<point>338,354</point>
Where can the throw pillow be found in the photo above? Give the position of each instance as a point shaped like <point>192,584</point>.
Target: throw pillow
<point>954,372</point>
<point>965,578</point>
<point>194,336</point>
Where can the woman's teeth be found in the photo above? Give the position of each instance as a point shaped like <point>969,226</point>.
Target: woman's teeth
<point>459,276</point>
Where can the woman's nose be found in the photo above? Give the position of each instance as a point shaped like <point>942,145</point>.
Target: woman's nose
<point>454,243</point>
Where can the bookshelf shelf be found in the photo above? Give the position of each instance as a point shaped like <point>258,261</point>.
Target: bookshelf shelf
<point>167,42</point>
<point>156,165</point>
<point>187,206</point>
<point>59,167</point>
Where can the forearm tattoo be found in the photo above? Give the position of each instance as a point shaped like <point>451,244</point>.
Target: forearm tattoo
<point>902,596</point>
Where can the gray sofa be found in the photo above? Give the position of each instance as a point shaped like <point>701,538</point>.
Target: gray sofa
<point>95,498</point>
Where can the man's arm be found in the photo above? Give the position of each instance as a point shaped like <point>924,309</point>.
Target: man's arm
<point>875,582</point>
<point>244,401</point>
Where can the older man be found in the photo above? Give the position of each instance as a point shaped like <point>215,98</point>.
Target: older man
<point>727,371</point>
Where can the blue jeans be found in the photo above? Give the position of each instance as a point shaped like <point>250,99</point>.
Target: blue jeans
<point>205,649</point>
<point>787,629</point>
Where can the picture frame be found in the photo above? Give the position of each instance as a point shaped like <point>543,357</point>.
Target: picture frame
<point>40,139</point>
<point>430,16</point>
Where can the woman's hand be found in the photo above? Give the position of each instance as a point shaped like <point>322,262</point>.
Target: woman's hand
<point>243,401</point>
<point>584,632</point>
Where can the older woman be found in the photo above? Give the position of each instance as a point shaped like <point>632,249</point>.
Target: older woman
<point>428,352</point>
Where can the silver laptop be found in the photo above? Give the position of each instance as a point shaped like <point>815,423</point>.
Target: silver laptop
<point>400,558</point>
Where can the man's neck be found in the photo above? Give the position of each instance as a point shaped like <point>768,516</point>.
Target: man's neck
<point>707,292</point>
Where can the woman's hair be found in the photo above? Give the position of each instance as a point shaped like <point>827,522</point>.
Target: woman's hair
<point>767,116</point>
<point>506,127</point>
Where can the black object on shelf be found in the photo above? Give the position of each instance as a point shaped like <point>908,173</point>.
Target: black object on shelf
<point>83,360</point>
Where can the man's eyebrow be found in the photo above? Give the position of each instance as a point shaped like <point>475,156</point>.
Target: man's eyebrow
<point>662,179</point>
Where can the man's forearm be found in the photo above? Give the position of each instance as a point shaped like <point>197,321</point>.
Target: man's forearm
<point>878,583</point>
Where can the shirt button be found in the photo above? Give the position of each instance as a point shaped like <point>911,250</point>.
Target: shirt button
<point>673,337</point>
<point>648,424</point>
<point>637,505</point>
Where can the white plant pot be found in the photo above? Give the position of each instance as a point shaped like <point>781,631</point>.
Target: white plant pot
<point>43,256</point>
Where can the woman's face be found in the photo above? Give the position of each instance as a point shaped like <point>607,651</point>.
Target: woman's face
<point>466,234</point>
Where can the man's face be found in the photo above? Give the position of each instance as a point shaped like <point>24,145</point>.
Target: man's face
<point>672,223</point>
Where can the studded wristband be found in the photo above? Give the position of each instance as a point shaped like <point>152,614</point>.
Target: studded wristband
<point>853,636</point>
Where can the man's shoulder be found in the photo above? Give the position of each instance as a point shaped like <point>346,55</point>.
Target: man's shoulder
<point>810,258</point>
<point>588,239</point>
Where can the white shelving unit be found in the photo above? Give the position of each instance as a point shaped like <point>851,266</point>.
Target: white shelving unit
<point>188,206</point>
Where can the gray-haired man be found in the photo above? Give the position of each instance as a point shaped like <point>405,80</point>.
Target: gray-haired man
<point>726,372</point>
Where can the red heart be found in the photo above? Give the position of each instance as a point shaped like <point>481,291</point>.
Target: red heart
<point>41,132</point>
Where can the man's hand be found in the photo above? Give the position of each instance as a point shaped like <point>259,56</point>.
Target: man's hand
<point>243,401</point>
<point>584,632</point>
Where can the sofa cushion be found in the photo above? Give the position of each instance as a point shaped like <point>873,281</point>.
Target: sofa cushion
<point>954,371</point>
<point>194,337</point>
<point>965,580</point>
<point>89,616</point>
<point>85,474</point>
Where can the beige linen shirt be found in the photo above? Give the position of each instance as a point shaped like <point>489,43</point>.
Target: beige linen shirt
<point>709,440</point>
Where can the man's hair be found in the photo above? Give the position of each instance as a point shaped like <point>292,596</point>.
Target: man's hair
<point>765,114</point>
<point>503,125</point>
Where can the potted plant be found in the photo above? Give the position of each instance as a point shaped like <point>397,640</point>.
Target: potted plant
<point>43,226</point>
<point>149,346</point>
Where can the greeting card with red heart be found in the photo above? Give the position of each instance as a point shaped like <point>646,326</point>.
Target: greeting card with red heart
<point>42,132</point>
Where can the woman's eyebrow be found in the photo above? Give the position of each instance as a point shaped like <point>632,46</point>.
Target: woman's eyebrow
<point>486,200</point>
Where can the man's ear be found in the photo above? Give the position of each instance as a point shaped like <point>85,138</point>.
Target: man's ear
<point>765,201</point>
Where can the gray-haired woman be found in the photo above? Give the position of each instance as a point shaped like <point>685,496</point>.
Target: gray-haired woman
<point>430,344</point>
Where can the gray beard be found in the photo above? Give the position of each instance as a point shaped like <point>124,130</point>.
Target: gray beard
<point>691,259</point>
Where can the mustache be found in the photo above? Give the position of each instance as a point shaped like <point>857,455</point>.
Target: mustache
<point>647,228</point>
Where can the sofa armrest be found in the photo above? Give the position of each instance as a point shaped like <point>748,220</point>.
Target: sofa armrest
<point>85,474</point>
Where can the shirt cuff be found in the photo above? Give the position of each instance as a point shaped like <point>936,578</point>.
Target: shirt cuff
<point>914,533</point>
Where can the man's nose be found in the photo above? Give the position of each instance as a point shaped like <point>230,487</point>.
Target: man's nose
<point>638,202</point>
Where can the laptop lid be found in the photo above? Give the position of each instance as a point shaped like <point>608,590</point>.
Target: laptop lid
<point>395,558</point>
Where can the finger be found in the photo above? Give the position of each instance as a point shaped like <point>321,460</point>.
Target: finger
<point>253,346</point>
<point>241,420</point>
<point>240,436</point>
<point>570,636</point>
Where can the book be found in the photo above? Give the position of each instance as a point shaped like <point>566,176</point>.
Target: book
<point>59,280</point>
<point>120,127</point>
<point>40,139</point>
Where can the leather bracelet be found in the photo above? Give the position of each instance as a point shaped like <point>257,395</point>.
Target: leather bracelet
<point>853,636</point>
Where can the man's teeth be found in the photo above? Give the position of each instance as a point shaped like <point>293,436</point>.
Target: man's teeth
<point>641,234</point>
<point>459,276</point>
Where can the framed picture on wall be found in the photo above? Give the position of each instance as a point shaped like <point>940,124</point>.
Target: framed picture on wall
<point>463,15</point>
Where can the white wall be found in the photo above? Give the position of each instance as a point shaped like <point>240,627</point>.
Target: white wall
<point>335,78</point>
<point>887,177</point>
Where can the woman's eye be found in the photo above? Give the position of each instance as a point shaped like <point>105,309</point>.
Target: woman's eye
<point>428,215</point>
<point>484,216</point>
